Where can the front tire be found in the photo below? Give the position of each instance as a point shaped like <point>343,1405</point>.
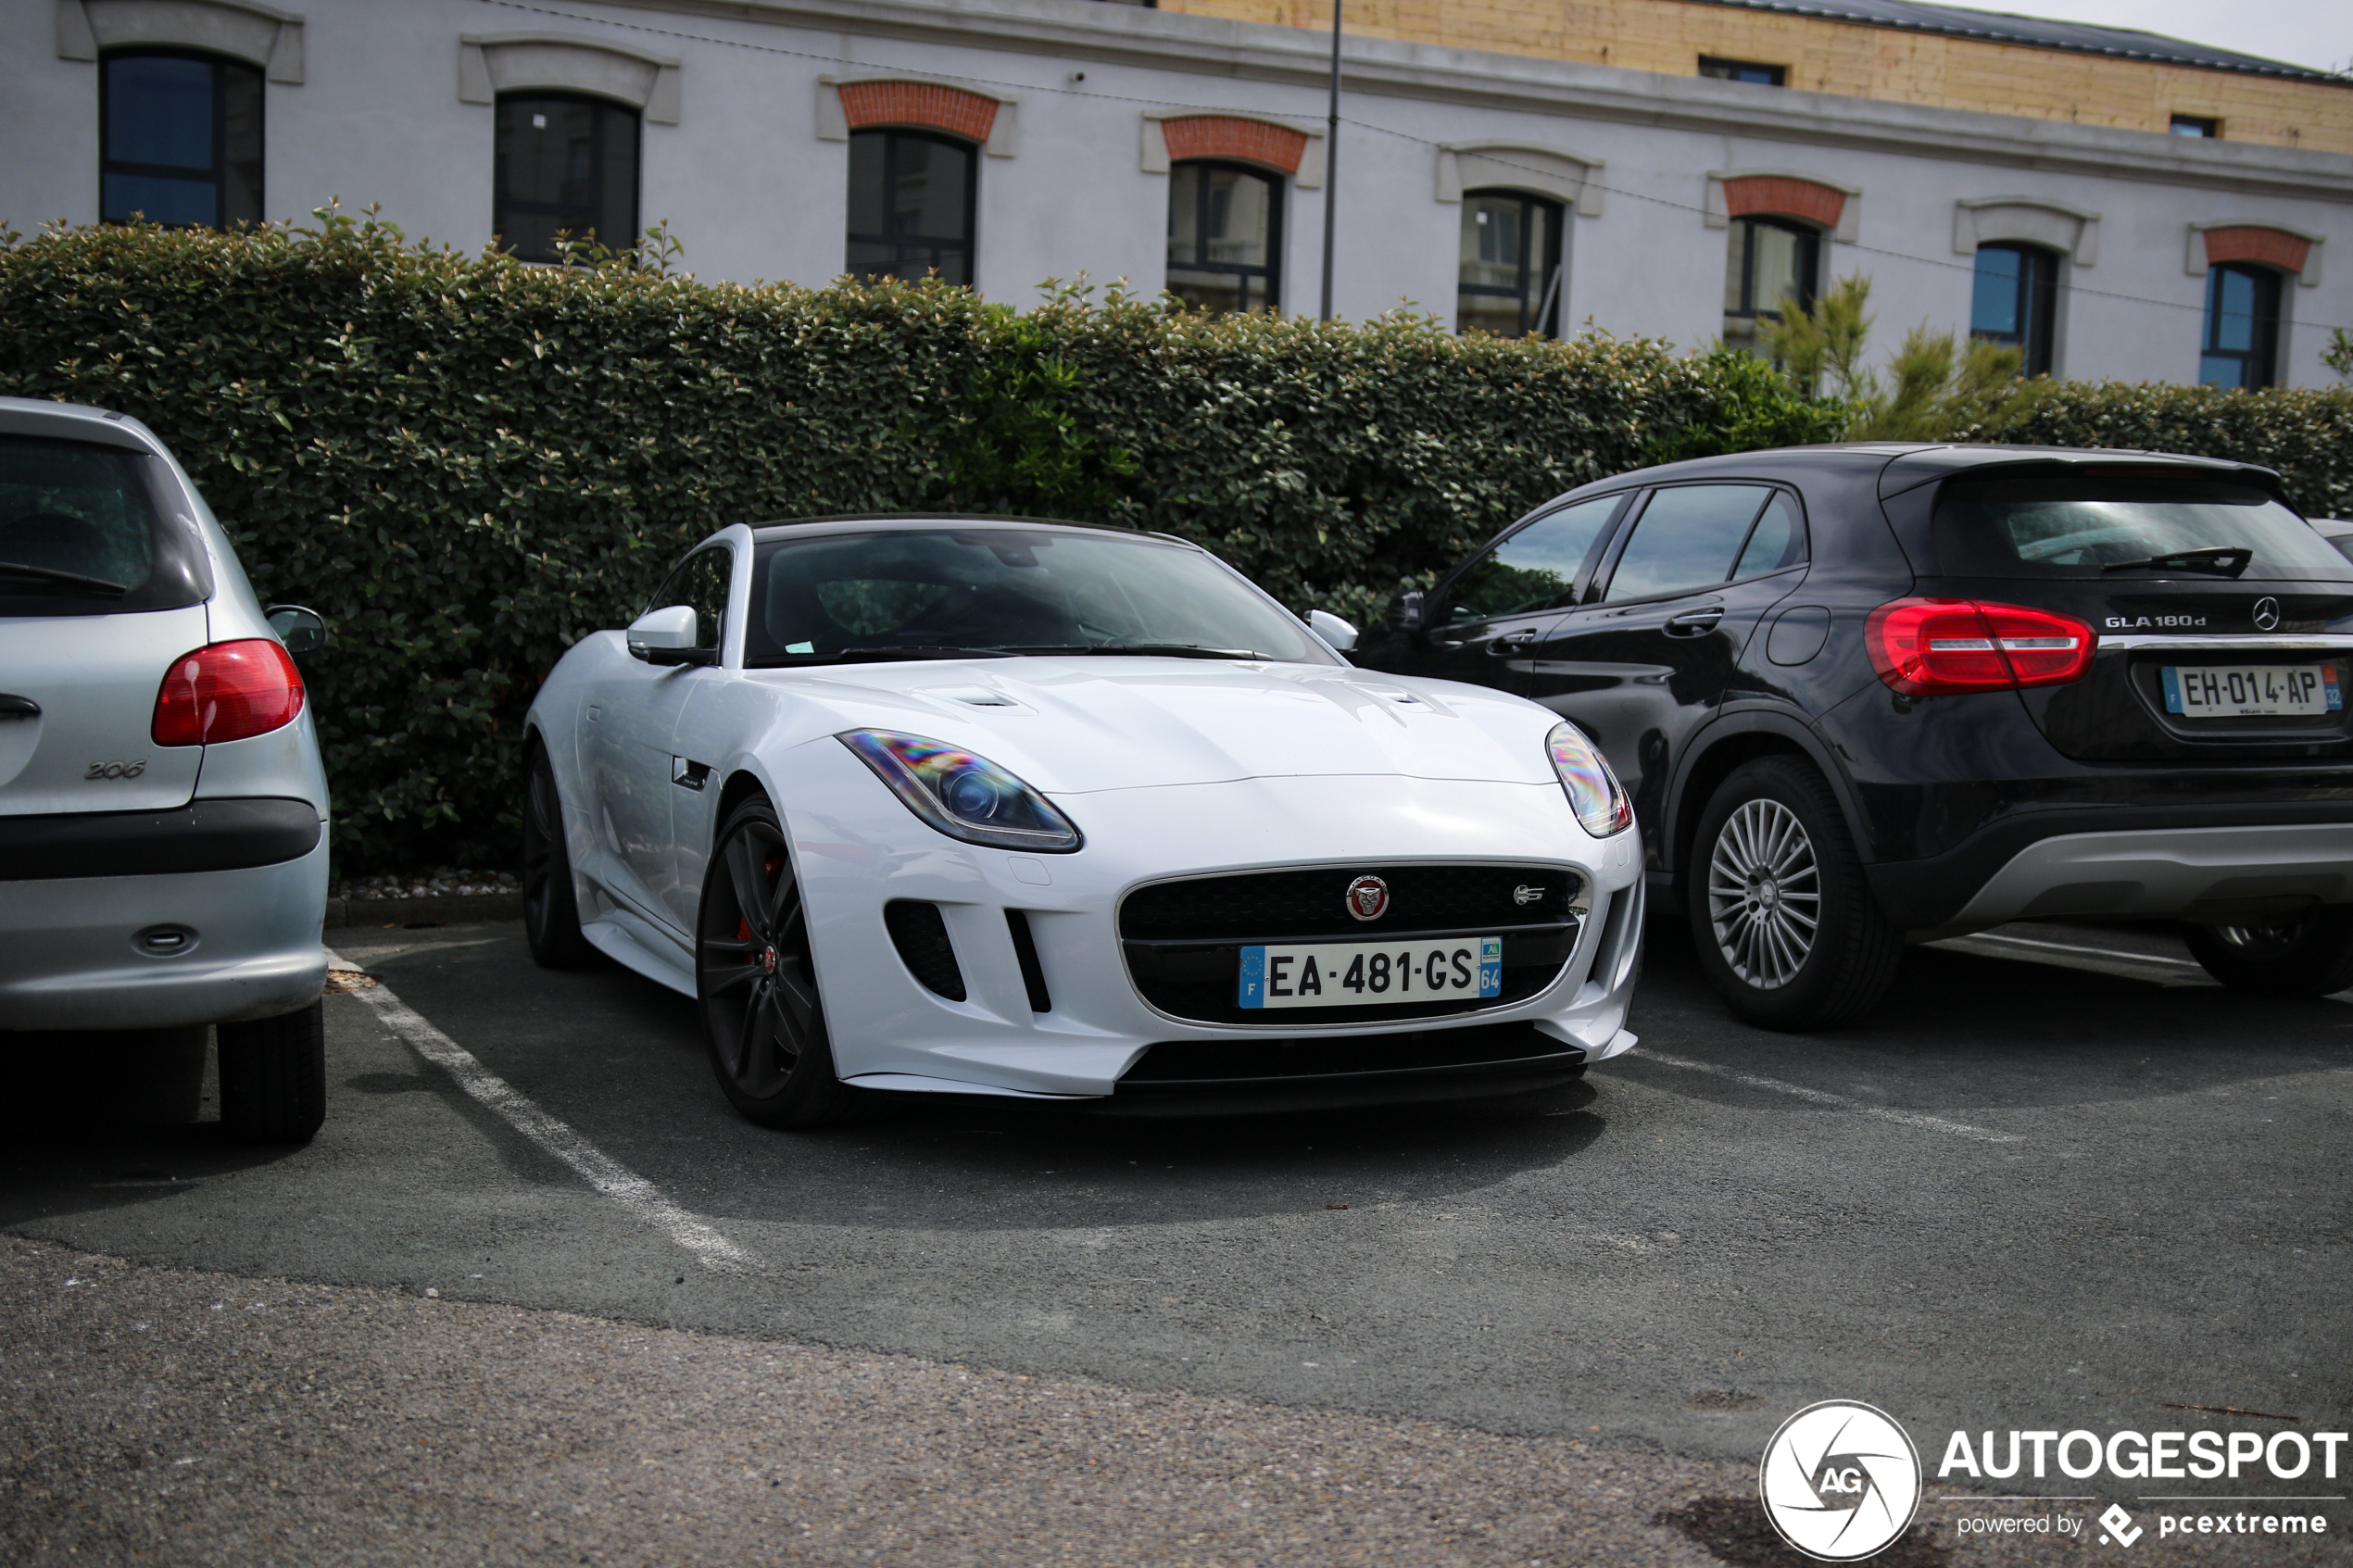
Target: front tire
<point>1783,921</point>
<point>550,908</point>
<point>2309,956</point>
<point>757,980</point>
<point>274,1076</point>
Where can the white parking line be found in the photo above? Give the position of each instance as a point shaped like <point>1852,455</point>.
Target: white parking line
<point>602,1171</point>
<point>1823,1096</point>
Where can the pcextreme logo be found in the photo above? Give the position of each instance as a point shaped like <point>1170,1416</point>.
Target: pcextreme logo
<point>1839,1481</point>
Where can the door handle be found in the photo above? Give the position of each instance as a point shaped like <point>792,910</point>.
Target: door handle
<point>1511,643</point>
<point>1694,622</point>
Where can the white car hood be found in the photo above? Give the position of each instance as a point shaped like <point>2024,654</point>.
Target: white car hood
<point>1070,726</point>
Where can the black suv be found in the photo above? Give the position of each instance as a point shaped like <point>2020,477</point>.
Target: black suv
<point>1868,694</point>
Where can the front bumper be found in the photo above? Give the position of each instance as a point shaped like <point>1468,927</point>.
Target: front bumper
<point>71,957</point>
<point>865,849</point>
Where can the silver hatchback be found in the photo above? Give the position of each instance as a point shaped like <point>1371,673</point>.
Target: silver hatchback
<point>163,812</point>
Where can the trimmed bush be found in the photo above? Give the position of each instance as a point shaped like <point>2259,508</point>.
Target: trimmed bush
<point>466,463</point>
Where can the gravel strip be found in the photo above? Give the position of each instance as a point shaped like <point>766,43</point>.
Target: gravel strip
<point>171,1416</point>
<point>197,1417</point>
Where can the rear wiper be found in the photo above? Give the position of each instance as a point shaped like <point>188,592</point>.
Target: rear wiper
<point>51,576</point>
<point>1170,650</point>
<point>2222,560</point>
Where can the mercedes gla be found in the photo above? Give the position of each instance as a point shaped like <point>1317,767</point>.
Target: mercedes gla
<point>1866,694</point>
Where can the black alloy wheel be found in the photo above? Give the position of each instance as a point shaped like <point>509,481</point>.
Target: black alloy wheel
<point>2308,955</point>
<point>757,979</point>
<point>550,908</point>
<point>1784,923</point>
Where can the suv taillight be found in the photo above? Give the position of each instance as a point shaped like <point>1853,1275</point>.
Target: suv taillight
<point>1925,647</point>
<point>227,691</point>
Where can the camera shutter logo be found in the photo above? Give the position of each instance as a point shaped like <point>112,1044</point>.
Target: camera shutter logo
<point>1841,1481</point>
<point>2266,614</point>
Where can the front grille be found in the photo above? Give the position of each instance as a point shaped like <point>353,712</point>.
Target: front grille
<point>920,934</point>
<point>1210,1063</point>
<point>1183,940</point>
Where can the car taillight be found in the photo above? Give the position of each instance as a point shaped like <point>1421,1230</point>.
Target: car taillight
<point>227,691</point>
<point>1925,647</point>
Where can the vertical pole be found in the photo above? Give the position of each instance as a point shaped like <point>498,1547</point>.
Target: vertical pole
<point>1331,164</point>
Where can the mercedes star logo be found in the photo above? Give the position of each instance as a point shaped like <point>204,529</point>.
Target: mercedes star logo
<point>2267,615</point>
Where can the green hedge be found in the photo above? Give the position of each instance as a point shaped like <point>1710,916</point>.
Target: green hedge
<point>466,463</point>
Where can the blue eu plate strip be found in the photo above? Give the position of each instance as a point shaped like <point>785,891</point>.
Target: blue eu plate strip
<point>1253,987</point>
<point>2172,689</point>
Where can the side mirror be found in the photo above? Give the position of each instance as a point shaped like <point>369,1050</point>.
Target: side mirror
<point>1332,629</point>
<point>302,630</point>
<point>1405,612</point>
<point>667,636</point>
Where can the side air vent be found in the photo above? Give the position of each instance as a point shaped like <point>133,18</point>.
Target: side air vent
<point>1033,973</point>
<point>921,936</point>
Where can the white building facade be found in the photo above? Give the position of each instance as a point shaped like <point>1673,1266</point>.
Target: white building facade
<point>1012,141</point>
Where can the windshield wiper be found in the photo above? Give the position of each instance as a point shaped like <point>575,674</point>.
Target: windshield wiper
<point>54,578</point>
<point>2219,560</point>
<point>1170,650</point>
<point>896,650</point>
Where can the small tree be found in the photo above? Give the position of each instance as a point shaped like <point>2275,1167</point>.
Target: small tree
<point>2338,355</point>
<point>1936,390</point>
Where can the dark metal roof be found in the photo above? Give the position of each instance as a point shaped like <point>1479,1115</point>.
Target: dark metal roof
<point>2003,27</point>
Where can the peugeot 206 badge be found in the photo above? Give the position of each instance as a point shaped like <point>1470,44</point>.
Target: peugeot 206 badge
<point>1368,897</point>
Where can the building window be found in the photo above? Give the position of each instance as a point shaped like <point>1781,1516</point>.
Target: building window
<point>1510,281</point>
<point>911,206</point>
<point>2195,125</point>
<point>1770,259</point>
<point>180,139</point>
<point>2242,327</point>
<point>565,165</point>
<point>2015,301</point>
<point>1225,237</point>
<point>1743,70</point>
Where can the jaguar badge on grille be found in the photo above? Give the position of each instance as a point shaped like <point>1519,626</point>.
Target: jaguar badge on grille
<point>1524,894</point>
<point>1368,897</point>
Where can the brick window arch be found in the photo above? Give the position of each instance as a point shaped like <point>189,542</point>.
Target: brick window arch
<point>2248,242</point>
<point>1780,195</point>
<point>1231,137</point>
<point>929,104</point>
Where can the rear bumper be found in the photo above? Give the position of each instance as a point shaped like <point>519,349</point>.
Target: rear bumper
<point>2212,872</point>
<point>204,835</point>
<point>70,955</point>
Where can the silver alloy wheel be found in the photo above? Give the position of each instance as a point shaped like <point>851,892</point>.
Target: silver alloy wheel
<point>1764,893</point>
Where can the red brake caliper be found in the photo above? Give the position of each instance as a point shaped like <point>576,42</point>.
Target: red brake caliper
<point>743,927</point>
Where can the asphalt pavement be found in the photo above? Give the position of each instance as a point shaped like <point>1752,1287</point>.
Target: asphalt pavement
<point>2060,1182</point>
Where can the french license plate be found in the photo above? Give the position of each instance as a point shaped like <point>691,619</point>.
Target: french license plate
<point>2251,690</point>
<point>1355,974</point>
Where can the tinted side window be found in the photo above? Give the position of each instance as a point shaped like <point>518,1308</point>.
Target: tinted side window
<point>1535,568</point>
<point>1778,540</point>
<point>1687,537</point>
<point>700,582</point>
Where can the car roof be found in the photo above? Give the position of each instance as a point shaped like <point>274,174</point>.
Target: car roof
<point>1906,463</point>
<point>914,523</point>
<point>74,422</point>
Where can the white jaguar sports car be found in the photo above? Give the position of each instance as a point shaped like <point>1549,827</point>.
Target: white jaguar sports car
<point>991,807</point>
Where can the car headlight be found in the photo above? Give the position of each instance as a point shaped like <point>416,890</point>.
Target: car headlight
<point>963,795</point>
<point>1594,792</point>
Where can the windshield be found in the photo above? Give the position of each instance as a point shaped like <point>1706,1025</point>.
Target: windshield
<point>79,535</point>
<point>2096,526</point>
<point>916,592</point>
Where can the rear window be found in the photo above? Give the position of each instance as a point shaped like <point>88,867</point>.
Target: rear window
<point>80,533</point>
<point>2096,526</point>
